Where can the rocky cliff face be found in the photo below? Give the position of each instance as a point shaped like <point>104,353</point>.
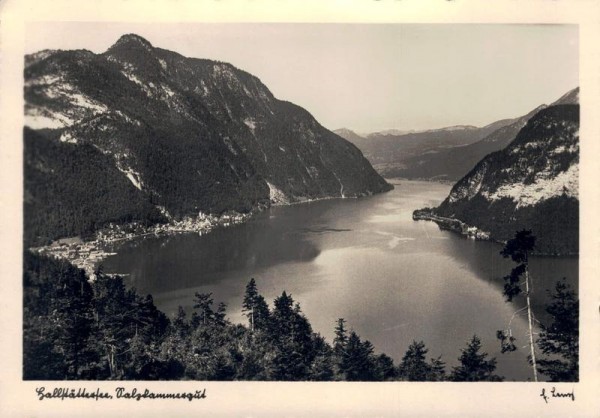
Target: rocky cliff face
<point>187,134</point>
<point>533,183</point>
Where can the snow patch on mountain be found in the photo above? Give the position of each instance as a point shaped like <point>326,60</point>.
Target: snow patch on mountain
<point>250,123</point>
<point>42,118</point>
<point>133,176</point>
<point>148,89</point>
<point>132,77</point>
<point>58,90</point>
<point>227,141</point>
<point>166,89</point>
<point>545,186</point>
<point>68,138</point>
<point>128,119</point>
<point>190,98</point>
<point>80,100</point>
<point>452,128</point>
<point>571,149</point>
<point>472,188</point>
<point>43,80</point>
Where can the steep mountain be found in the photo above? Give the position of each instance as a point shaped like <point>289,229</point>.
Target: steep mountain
<point>187,134</point>
<point>75,189</point>
<point>408,155</point>
<point>532,184</point>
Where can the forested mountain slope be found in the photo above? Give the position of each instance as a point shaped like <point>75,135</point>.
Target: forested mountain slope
<point>187,134</point>
<point>531,184</point>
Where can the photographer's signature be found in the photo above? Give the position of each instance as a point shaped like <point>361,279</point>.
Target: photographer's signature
<point>556,394</point>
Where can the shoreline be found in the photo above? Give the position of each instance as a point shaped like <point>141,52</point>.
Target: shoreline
<point>89,254</point>
<point>445,182</point>
<point>454,225</point>
<point>318,199</point>
<point>471,232</point>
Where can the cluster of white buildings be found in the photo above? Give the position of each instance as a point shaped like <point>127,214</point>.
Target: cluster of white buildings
<point>87,255</point>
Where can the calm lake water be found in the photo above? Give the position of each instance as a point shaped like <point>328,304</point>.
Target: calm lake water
<point>393,279</point>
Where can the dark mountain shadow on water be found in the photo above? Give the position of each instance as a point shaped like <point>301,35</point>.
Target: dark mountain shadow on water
<point>158,265</point>
<point>484,259</point>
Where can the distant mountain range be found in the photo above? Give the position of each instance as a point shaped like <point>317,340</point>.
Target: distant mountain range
<point>533,183</point>
<point>439,154</point>
<point>142,133</point>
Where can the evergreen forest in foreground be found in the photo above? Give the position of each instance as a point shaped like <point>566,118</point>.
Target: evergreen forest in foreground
<point>74,328</point>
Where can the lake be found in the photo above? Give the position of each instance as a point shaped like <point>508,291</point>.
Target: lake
<point>365,260</point>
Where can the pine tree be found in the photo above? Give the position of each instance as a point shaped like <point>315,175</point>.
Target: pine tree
<point>357,359</point>
<point>261,313</point>
<point>195,321</point>
<point>384,368</point>
<point>282,315</point>
<point>474,367</point>
<point>249,303</point>
<point>291,334</point>
<point>203,302</point>
<point>413,367</point>
<point>341,337</point>
<point>321,369</point>
<point>255,307</point>
<point>561,337</point>
<point>220,314</point>
<point>112,325</point>
<point>518,249</point>
<point>339,348</point>
<point>180,323</point>
<point>437,371</point>
<point>257,356</point>
<point>57,320</point>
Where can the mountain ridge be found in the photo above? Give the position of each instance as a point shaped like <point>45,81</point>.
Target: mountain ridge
<point>191,135</point>
<point>533,183</point>
<point>397,155</point>
<point>455,162</point>
<point>420,155</point>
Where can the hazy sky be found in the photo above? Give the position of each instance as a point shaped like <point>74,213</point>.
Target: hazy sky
<point>370,77</point>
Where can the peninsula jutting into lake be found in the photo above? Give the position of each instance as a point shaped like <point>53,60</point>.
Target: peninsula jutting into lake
<point>183,222</point>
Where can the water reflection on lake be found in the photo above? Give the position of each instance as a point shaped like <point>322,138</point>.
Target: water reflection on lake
<point>366,260</point>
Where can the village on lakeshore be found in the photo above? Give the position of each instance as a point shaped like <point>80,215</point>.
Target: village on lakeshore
<point>88,254</point>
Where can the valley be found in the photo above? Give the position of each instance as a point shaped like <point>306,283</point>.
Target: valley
<point>182,178</point>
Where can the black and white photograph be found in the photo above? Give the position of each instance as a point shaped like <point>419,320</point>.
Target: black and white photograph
<point>287,201</point>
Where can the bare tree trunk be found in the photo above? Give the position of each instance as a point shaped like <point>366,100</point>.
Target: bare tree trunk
<point>535,377</point>
<point>110,363</point>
